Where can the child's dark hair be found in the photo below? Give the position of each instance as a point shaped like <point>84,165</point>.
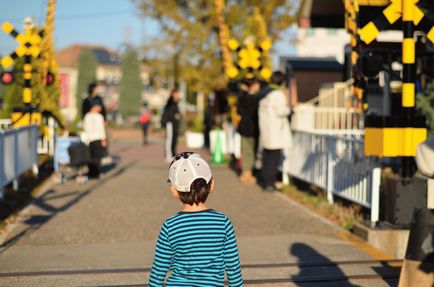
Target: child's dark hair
<point>199,191</point>
<point>91,87</point>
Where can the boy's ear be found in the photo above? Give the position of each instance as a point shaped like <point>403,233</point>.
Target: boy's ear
<point>174,192</point>
<point>212,185</point>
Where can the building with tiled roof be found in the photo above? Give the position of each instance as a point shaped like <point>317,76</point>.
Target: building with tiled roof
<point>108,75</point>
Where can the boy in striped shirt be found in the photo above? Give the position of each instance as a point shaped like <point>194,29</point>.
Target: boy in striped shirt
<point>197,244</point>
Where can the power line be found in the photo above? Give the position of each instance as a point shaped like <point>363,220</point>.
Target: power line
<point>82,16</point>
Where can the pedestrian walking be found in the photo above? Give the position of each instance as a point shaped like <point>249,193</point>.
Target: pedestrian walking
<point>208,121</point>
<point>197,245</point>
<point>94,129</point>
<point>92,97</point>
<point>247,108</point>
<point>144,120</point>
<point>170,120</point>
<point>274,129</point>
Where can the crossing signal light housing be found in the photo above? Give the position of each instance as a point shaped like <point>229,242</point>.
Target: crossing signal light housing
<point>50,79</point>
<point>250,59</point>
<point>371,64</point>
<point>7,78</point>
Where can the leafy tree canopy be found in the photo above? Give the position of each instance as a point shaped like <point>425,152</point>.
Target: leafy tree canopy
<point>190,44</point>
<point>131,85</point>
<point>86,74</point>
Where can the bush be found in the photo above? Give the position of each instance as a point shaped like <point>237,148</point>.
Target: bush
<point>194,122</point>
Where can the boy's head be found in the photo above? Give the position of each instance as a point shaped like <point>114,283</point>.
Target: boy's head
<point>191,178</point>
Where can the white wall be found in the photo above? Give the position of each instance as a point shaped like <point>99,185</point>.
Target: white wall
<point>322,42</point>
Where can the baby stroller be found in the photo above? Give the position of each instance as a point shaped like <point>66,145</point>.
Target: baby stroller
<point>71,156</point>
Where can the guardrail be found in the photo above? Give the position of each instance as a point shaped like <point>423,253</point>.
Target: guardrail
<point>18,153</point>
<point>46,143</point>
<point>336,164</point>
<point>332,109</point>
<point>309,118</point>
<point>5,124</point>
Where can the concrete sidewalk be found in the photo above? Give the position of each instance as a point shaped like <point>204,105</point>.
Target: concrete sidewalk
<point>114,222</point>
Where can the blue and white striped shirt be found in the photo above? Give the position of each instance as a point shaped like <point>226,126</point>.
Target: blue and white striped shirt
<point>198,248</point>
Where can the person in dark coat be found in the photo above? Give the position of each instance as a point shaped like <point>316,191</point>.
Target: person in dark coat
<point>247,108</point>
<point>92,99</point>
<point>208,121</point>
<point>170,120</point>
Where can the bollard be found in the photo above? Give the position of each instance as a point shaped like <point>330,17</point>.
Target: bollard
<point>418,266</point>
<point>217,154</point>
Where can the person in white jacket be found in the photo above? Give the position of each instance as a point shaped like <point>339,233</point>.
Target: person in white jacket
<point>94,128</point>
<point>273,128</point>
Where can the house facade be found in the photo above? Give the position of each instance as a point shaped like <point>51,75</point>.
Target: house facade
<point>108,75</point>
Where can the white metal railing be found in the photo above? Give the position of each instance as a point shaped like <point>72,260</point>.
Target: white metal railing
<point>18,153</point>
<point>336,94</point>
<point>313,118</point>
<point>46,143</point>
<point>337,164</point>
<point>331,110</point>
<point>337,119</point>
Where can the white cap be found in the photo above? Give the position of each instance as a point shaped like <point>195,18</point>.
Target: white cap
<point>186,167</point>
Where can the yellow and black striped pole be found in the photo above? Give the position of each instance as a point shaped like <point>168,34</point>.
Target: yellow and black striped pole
<point>408,77</point>
<point>408,56</point>
<point>47,47</point>
<point>352,14</point>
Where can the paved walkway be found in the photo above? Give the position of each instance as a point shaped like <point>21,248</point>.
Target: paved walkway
<point>112,223</point>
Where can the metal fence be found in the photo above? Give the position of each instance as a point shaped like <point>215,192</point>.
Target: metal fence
<point>18,153</point>
<point>337,164</point>
<point>333,109</point>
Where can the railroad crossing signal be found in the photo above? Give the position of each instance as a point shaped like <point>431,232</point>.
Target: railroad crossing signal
<point>7,78</point>
<point>402,138</point>
<point>249,59</point>
<point>392,13</point>
<point>29,47</point>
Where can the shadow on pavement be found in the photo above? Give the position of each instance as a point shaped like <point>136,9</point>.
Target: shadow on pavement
<point>387,269</point>
<point>306,255</point>
<point>33,223</point>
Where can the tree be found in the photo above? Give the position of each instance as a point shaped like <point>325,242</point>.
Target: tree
<point>190,32</point>
<point>14,93</point>
<point>2,87</point>
<point>86,74</point>
<point>131,85</point>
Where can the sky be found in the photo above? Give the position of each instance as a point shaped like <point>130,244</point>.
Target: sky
<point>105,22</point>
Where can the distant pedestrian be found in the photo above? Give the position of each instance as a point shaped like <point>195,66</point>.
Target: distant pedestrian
<point>170,120</point>
<point>274,129</point>
<point>92,97</point>
<point>208,121</point>
<point>94,128</point>
<point>247,108</point>
<point>144,120</point>
<point>197,245</point>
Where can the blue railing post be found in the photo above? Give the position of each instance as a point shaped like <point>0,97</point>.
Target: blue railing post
<point>15,181</point>
<point>331,159</point>
<point>2,164</point>
<point>34,142</point>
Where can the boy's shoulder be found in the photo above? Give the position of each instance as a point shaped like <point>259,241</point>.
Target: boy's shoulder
<point>207,213</point>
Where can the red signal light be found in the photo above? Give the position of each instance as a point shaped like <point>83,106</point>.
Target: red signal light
<point>50,79</point>
<point>7,78</point>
